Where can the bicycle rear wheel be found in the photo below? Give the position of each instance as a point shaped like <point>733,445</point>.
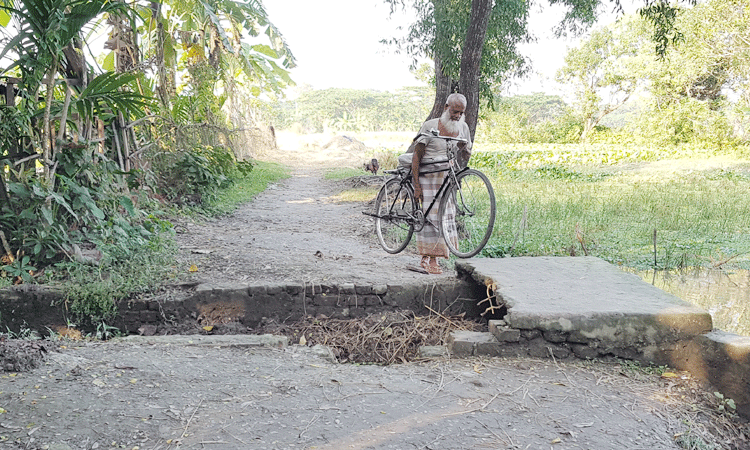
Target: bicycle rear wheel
<point>394,208</point>
<point>467,214</point>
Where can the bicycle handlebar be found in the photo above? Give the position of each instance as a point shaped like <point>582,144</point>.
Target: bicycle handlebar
<point>435,133</point>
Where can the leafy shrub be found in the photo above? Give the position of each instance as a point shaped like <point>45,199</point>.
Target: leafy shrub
<point>132,265</point>
<point>194,176</point>
<point>686,121</point>
<point>83,205</point>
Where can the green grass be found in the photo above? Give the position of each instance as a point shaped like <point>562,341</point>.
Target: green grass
<point>246,188</point>
<point>342,173</point>
<point>608,200</point>
<point>92,292</point>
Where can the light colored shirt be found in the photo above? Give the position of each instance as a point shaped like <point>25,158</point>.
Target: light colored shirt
<point>437,149</point>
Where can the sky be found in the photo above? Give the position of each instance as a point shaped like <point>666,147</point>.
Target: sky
<point>337,44</point>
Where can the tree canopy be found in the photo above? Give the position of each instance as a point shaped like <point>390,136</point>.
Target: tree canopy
<point>448,30</point>
<point>687,89</point>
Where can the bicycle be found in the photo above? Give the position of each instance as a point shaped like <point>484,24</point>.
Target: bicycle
<point>398,215</point>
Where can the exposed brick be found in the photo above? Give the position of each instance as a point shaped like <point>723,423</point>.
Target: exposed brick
<point>584,351</point>
<point>149,316</point>
<point>577,337</point>
<point>538,348</point>
<point>274,289</point>
<point>560,352</point>
<point>325,300</point>
<point>132,316</point>
<point>363,289</point>
<point>328,289</point>
<point>493,348</point>
<point>390,301</point>
<point>372,300</point>
<point>256,289</point>
<point>462,348</point>
<point>293,289</point>
<point>132,327</point>
<point>462,343</point>
<point>325,311</point>
<point>530,335</point>
<point>503,333</point>
<point>342,313</point>
<point>394,288</point>
<point>352,300</point>
<point>357,312</point>
<point>433,351</point>
<point>554,336</point>
<point>508,335</point>
<point>137,306</point>
<point>347,288</point>
<point>380,289</point>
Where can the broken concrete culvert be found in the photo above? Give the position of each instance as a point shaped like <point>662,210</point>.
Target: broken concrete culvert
<point>320,258</point>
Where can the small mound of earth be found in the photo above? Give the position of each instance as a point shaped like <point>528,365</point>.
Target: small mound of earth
<point>320,150</point>
<point>20,355</point>
<point>345,143</point>
<point>345,149</point>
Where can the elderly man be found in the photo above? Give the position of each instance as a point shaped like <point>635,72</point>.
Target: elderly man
<point>430,243</point>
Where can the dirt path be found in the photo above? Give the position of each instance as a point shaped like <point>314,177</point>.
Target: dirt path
<point>154,394</point>
<point>295,231</point>
<point>147,393</point>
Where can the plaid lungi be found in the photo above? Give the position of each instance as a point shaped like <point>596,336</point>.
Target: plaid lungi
<point>429,241</point>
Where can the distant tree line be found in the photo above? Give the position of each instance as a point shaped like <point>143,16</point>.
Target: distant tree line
<point>315,111</point>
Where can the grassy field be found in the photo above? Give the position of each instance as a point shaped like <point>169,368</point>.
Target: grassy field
<point>637,207</point>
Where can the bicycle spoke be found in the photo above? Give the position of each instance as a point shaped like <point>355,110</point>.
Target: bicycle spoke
<point>395,222</point>
<point>468,214</point>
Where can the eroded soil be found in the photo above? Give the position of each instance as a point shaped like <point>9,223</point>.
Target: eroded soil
<point>138,394</point>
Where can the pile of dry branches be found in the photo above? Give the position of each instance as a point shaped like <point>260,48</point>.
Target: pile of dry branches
<point>386,338</point>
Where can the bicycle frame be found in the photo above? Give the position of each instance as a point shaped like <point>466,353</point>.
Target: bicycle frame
<point>451,178</point>
<point>406,182</point>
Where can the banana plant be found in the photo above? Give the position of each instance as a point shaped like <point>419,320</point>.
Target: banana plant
<point>44,28</point>
<point>213,30</point>
<point>105,96</point>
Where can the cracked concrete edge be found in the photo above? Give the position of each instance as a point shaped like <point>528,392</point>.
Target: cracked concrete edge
<point>313,288</point>
<point>719,358</point>
<point>229,340</point>
<point>261,341</point>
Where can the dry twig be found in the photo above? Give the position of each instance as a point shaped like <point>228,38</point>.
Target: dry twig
<point>385,338</point>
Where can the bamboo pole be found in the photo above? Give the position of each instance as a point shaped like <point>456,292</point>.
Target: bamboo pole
<point>117,145</point>
<point>64,114</point>
<point>125,157</point>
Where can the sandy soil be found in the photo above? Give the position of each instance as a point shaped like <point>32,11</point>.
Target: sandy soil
<point>140,394</point>
<point>143,395</point>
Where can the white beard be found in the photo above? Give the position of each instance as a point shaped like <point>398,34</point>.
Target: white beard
<point>451,127</point>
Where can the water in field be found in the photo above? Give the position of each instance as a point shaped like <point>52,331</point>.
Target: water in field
<point>724,294</point>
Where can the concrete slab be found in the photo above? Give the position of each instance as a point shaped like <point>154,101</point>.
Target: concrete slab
<point>241,340</point>
<point>586,299</point>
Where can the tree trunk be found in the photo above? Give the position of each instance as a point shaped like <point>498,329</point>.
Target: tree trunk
<point>471,59</point>
<point>443,85</point>
<point>163,81</point>
<point>47,148</point>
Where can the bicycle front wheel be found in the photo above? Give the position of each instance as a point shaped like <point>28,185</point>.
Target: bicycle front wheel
<point>467,213</point>
<point>394,208</point>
